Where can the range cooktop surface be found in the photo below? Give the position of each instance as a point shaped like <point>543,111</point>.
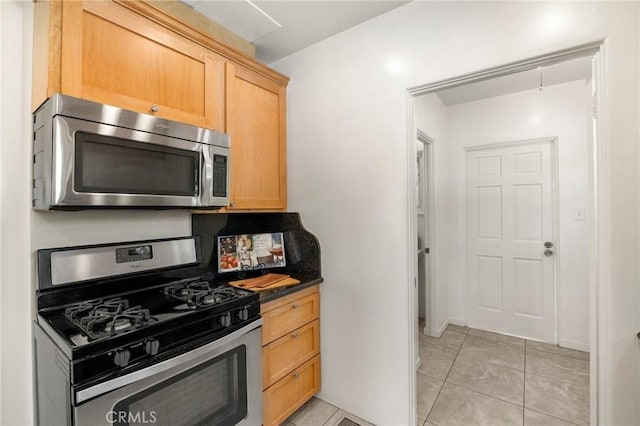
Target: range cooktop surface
<point>177,303</point>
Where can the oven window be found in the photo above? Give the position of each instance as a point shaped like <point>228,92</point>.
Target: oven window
<point>119,166</point>
<point>213,393</point>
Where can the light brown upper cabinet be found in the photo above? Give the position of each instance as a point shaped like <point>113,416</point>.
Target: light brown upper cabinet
<point>256,122</point>
<point>112,55</point>
<point>136,56</point>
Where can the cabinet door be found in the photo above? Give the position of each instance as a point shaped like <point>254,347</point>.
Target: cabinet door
<point>112,55</point>
<point>291,392</point>
<point>256,123</point>
<point>289,351</point>
<point>288,317</point>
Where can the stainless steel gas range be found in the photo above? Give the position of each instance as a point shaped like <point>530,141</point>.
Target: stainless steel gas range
<point>131,334</point>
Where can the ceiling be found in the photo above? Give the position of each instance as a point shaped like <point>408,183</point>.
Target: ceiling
<point>563,72</point>
<point>280,28</point>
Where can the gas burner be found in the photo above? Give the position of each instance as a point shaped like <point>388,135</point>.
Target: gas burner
<point>100,318</point>
<point>197,294</point>
<point>218,295</point>
<point>95,307</point>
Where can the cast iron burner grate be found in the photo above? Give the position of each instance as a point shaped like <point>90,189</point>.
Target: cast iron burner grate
<point>102,318</point>
<point>200,293</point>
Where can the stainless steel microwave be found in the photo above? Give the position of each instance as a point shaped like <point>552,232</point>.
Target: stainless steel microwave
<point>89,155</point>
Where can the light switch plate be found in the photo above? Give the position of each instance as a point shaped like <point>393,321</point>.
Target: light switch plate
<point>579,213</point>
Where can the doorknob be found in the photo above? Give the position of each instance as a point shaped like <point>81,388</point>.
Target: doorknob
<point>548,252</point>
<point>548,244</point>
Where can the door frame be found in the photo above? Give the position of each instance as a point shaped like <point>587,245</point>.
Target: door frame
<point>430,293</point>
<point>599,230</point>
<point>555,214</point>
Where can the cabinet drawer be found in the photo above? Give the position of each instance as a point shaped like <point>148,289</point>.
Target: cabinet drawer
<point>288,394</point>
<point>290,316</point>
<point>283,355</point>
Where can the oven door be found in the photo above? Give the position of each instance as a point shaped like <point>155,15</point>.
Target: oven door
<point>216,384</point>
<point>100,165</point>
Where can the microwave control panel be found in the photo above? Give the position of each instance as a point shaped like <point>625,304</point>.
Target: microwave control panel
<point>219,176</point>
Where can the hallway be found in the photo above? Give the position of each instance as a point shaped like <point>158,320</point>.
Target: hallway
<point>475,377</point>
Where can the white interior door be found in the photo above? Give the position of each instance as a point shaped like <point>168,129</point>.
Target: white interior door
<point>510,217</point>
<point>425,230</point>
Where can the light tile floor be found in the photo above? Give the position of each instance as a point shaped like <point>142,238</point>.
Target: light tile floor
<point>475,377</point>
<point>316,412</point>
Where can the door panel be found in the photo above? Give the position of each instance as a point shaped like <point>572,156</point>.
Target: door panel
<point>528,162</point>
<point>528,291</point>
<point>489,166</point>
<point>511,283</point>
<point>489,212</point>
<point>528,212</point>
<point>490,282</point>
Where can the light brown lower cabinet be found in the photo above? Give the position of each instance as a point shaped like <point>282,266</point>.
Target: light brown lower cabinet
<point>290,353</point>
<point>288,394</point>
<point>283,318</point>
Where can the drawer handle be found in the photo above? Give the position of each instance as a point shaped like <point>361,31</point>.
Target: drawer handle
<point>294,334</point>
<point>296,305</point>
<point>155,108</point>
<point>296,374</point>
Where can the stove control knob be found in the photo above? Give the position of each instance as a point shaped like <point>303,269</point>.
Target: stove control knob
<point>243,314</point>
<point>151,346</point>
<point>225,320</point>
<point>121,357</point>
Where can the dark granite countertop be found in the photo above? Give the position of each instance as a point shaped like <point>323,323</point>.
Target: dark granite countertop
<point>268,296</point>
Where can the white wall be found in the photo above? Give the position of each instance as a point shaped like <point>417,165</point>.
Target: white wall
<point>15,285</point>
<point>430,116</point>
<point>560,111</point>
<point>23,231</point>
<point>348,156</point>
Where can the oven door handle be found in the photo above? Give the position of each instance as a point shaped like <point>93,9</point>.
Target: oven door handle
<point>118,382</point>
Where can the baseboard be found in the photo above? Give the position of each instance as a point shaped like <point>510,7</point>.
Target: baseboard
<point>584,347</point>
<point>442,328</point>
<point>461,323</point>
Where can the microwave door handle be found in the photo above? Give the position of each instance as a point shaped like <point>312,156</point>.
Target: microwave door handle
<point>205,179</point>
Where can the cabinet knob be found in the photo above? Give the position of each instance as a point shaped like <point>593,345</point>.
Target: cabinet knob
<point>155,108</point>
<point>295,305</point>
<point>294,334</point>
<point>296,374</point>
<point>232,204</point>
